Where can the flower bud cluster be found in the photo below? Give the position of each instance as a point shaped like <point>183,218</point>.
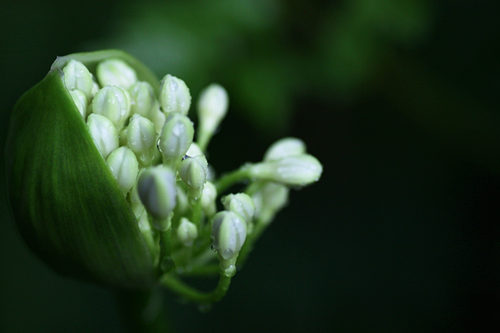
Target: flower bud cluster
<point>146,138</point>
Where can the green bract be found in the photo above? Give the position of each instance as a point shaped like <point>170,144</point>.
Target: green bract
<point>109,182</point>
<point>66,203</point>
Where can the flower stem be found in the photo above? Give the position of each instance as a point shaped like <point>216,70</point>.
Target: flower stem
<point>195,295</point>
<point>231,178</point>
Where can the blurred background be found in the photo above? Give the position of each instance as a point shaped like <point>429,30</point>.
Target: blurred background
<point>397,98</point>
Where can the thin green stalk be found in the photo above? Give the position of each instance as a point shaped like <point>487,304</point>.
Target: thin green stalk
<point>195,295</point>
<point>232,178</point>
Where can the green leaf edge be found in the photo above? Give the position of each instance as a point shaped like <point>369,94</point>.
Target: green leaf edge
<point>124,271</point>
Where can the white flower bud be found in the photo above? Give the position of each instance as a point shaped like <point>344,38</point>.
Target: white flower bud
<point>240,204</point>
<point>157,191</point>
<point>297,170</point>
<point>143,99</point>
<point>141,139</point>
<point>95,88</point>
<point>175,138</point>
<point>80,101</point>
<point>124,167</point>
<point>228,234</point>
<point>187,232</point>
<point>77,76</point>
<point>113,103</point>
<point>104,134</point>
<point>182,201</point>
<point>114,72</point>
<point>269,199</point>
<point>193,172</point>
<point>212,107</point>
<point>285,147</point>
<point>208,196</point>
<point>158,119</point>
<point>194,150</point>
<point>174,95</point>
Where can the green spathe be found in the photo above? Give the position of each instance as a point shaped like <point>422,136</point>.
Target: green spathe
<point>83,226</point>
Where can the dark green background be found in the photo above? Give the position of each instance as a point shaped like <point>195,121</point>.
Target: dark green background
<point>397,98</point>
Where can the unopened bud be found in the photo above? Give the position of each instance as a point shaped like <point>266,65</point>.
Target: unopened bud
<point>124,167</point>
<point>157,191</point>
<point>80,101</point>
<point>103,133</point>
<point>95,88</point>
<point>141,138</point>
<point>143,99</point>
<point>240,204</point>
<point>228,234</point>
<point>283,148</point>
<point>297,170</point>
<point>115,72</point>
<point>158,119</point>
<point>212,107</point>
<point>77,76</point>
<point>194,150</point>
<point>187,232</point>
<point>208,196</point>
<point>113,103</point>
<point>193,172</point>
<point>175,138</point>
<point>269,199</point>
<point>174,95</point>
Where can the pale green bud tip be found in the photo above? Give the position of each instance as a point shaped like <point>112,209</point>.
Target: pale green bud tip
<point>158,119</point>
<point>77,76</point>
<point>212,107</point>
<point>176,137</point>
<point>141,138</point>
<point>156,188</point>
<point>113,103</point>
<point>103,133</point>
<point>187,232</point>
<point>124,167</point>
<point>193,171</point>
<point>269,199</point>
<point>208,196</point>
<point>115,72</point>
<point>143,99</point>
<point>194,150</point>
<point>297,170</point>
<point>240,204</point>
<point>174,95</point>
<point>80,101</point>
<point>228,234</point>
<point>285,147</point>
